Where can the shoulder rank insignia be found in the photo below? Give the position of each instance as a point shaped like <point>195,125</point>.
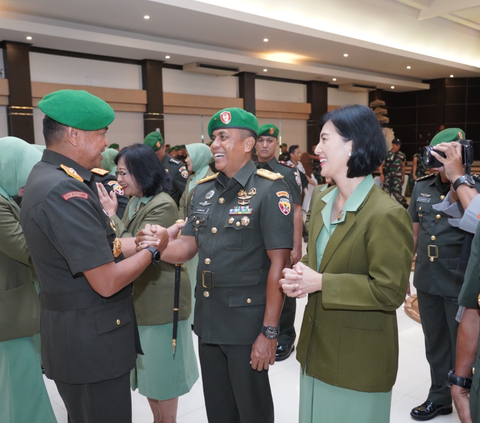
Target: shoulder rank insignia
<point>99,171</point>
<point>208,178</point>
<point>269,175</point>
<point>70,171</point>
<point>173,160</point>
<point>286,164</point>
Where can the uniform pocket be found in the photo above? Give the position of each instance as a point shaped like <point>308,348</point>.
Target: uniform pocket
<point>114,317</point>
<point>238,235</point>
<point>199,224</point>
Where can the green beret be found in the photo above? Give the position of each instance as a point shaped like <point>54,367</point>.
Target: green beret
<point>78,109</point>
<point>114,145</point>
<point>154,140</point>
<point>174,148</point>
<point>233,118</point>
<point>396,141</point>
<point>447,135</point>
<point>268,130</point>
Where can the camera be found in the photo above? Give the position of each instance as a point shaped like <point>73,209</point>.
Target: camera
<point>429,161</point>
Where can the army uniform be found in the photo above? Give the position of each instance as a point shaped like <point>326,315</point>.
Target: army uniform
<point>178,173</point>
<point>111,184</point>
<point>437,280</point>
<point>234,221</point>
<point>287,335</point>
<point>392,170</point>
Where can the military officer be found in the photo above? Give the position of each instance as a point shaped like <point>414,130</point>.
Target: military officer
<point>438,280</point>
<point>233,223</point>
<point>267,145</point>
<point>88,328</point>
<point>176,169</point>
<point>392,172</point>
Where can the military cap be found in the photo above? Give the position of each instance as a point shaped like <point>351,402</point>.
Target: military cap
<point>396,141</point>
<point>447,135</point>
<point>78,109</point>
<point>174,148</point>
<point>233,118</point>
<point>269,129</point>
<point>114,145</point>
<point>154,140</point>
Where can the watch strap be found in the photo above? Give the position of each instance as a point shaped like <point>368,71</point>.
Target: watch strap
<point>453,379</point>
<point>155,254</point>
<point>462,180</point>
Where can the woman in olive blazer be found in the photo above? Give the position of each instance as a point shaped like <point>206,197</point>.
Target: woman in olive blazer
<point>356,273</point>
<point>159,374</point>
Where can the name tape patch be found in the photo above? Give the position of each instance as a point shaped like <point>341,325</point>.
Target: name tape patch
<point>75,194</point>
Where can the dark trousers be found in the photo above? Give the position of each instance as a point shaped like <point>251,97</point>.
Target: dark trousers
<point>286,326</point>
<point>440,328</point>
<point>234,392</point>
<point>103,402</point>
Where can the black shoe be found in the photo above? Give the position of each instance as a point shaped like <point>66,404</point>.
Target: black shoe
<point>283,352</point>
<point>428,410</point>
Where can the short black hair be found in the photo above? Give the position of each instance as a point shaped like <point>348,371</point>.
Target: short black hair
<point>142,162</point>
<point>359,124</point>
<point>292,148</point>
<point>53,131</point>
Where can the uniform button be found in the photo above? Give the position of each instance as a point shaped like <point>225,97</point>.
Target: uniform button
<point>237,224</point>
<point>214,230</point>
<point>438,217</point>
<point>166,170</point>
<point>195,229</point>
<point>207,261</point>
<point>231,220</point>
<point>197,222</point>
<point>249,301</point>
<point>420,215</point>
<point>442,197</point>
<point>420,208</point>
<point>206,294</point>
<point>118,322</point>
<point>433,237</point>
<point>221,200</point>
<point>432,259</point>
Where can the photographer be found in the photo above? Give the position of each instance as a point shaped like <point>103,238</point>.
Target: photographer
<point>439,267</point>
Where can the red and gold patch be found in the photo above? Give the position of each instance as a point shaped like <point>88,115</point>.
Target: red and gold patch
<point>283,194</point>
<point>116,187</point>
<point>184,172</point>
<point>284,205</point>
<point>271,131</point>
<point>75,194</point>
<point>70,171</point>
<point>226,117</point>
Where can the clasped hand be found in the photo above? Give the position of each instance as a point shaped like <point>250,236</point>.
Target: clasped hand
<point>300,281</point>
<point>157,236</point>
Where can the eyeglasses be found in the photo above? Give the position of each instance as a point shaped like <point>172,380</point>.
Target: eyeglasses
<point>122,174</point>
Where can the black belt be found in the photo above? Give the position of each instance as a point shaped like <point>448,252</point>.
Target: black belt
<point>80,300</point>
<point>228,279</point>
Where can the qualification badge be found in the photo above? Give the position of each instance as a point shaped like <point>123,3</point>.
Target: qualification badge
<point>117,247</point>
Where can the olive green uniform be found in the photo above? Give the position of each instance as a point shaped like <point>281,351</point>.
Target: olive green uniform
<point>234,221</point>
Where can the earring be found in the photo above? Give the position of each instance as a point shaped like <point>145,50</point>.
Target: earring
<point>349,154</point>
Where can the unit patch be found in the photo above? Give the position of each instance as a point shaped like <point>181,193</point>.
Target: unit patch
<point>75,194</point>
<point>116,187</point>
<point>226,117</point>
<point>284,205</point>
<point>283,194</point>
<point>183,170</point>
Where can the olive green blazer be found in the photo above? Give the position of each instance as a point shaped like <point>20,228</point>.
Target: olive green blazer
<point>153,290</point>
<point>19,302</point>
<point>349,334</point>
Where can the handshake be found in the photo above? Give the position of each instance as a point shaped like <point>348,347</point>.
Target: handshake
<point>157,236</point>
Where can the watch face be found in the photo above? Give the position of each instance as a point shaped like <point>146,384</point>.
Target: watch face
<point>469,180</point>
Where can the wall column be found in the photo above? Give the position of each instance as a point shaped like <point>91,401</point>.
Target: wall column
<point>152,82</point>
<point>317,96</point>
<point>17,71</point>
<point>246,87</point>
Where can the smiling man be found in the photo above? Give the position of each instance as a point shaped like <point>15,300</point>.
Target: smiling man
<point>88,328</point>
<point>234,224</point>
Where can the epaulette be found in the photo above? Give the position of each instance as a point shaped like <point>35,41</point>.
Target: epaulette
<point>431,175</point>
<point>99,171</point>
<point>174,160</point>
<point>287,164</point>
<point>208,178</point>
<point>269,175</point>
<point>70,171</point>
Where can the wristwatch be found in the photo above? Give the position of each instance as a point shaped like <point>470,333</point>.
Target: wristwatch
<point>453,379</point>
<point>155,255</point>
<point>270,332</point>
<point>464,180</point>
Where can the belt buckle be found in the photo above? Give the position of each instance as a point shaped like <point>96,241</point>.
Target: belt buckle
<point>434,255</point>
<point>207,272</point>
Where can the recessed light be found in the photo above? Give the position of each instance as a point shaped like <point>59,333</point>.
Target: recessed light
<point>409,67</point>
<point>451,76</point>
<point>265,40</point>
<point>392,87</point>
<point>29,38</point>
<point>345,55</point>
<point>265,70</point>
<point>167,57</point>
<point>334,79</point>
<point>146,17</point>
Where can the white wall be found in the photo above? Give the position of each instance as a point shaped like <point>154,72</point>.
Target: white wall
<point>185,129</point>
<point>280,91</point>
<point>3,122</point>
<point>337,97</point>
<point>291,131</point>
<point>180,82</point>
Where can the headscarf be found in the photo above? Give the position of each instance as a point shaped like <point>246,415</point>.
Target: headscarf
<point>200,155</point>
<point>17,158</point>
<point>108,160</point>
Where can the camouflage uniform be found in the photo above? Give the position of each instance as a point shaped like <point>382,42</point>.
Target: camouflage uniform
<point>392,171</point>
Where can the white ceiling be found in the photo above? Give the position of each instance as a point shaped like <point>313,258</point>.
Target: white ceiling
<point>307,38</point>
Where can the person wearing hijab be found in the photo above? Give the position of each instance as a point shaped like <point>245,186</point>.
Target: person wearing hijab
<point>198,160</point>
<point>23,397</point>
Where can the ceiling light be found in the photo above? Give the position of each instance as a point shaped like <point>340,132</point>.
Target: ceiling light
<point>265,70</point>
<point>265,40</point>
<point>409,67</point>
<point>146,17</point>
<point>29,38</point>
<point>167,57</point>
<point>392,87</point>
<point>345,55</point>
<point>451,76</point>
<point>334,79</point>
